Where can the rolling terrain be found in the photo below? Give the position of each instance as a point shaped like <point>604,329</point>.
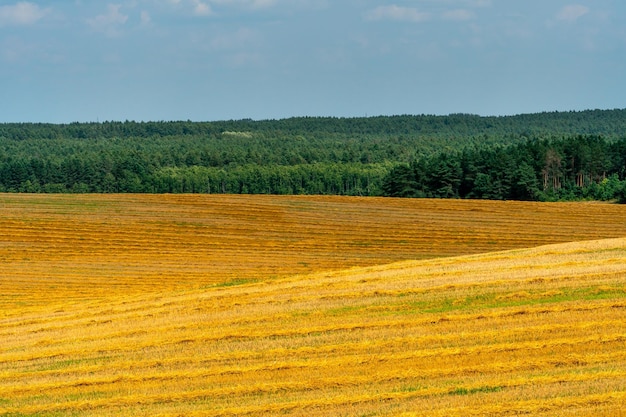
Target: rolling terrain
<point>319,306</point>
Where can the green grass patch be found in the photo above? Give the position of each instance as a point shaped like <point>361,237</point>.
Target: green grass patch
<point>513,299</point>
<point>478,390</point>
<point>409,388</point>
<point>233,283</point>
<point>342,311</point>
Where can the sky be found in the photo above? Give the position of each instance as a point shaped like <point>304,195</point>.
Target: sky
<point>205,60</point>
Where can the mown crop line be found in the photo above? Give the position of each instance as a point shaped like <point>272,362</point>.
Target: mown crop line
<point>138,400</point>
<point>528,363</point>
<point>352,360</point>
<point>70,318</point>
<point>525,407</point>
<point>89,317</point>
<point>262,299</point>
<point>243,334</point>
<point>142,400</point>
<point>375,293</point>
<point>497,313</point>
<point>251,334</point>
<point>21,389</point>
<point>17,389</point>
<point>278,407</point>
<point>85,319</point>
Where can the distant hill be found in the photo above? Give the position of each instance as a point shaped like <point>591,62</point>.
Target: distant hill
<point>302,155</point>
<point>610,123</point>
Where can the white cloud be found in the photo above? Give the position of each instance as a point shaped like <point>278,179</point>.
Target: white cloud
<point>110,22</point>
<point>572,12</point>
<point>394,12</point>
<point>145,18</point>
<point>21,13</point>
<point>195,7</point>
<point>201,9</point>
<point>247,4</point>
<point>458,15</point>
<point>213,7</point>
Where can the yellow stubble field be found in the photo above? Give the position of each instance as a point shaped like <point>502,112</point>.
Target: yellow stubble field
<point>320,306</point>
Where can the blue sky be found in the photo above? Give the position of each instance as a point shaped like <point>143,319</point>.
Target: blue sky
<point>81,60</point>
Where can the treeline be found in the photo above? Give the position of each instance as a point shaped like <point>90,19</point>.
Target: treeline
<point>131,176</point>
<point>572,168</point>
<point>454,127</point>
<point>306,155</point>
<point>235,162</point>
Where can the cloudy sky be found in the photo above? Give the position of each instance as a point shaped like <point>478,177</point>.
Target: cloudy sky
<point>84,60</point>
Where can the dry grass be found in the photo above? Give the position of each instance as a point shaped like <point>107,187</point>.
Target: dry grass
<point>155,324</point>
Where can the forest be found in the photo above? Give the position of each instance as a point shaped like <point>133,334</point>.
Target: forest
<point>542,156</point>
<point>570,168</point>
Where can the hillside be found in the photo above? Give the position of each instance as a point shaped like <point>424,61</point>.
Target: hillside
<point>189,305</point>
<point>460,127</point>
<point>60,248</point>
<point>525,331</point>
<point>339,156</point>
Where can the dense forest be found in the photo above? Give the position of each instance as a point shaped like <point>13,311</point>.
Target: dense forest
<point>544,156</point>
<point>571,168</point>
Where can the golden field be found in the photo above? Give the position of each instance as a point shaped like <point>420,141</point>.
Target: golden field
<point>144,305</point>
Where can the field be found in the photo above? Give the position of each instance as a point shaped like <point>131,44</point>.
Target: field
<point>144,305</point>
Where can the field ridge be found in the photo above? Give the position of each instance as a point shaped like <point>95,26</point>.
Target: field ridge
<point>538,330</point>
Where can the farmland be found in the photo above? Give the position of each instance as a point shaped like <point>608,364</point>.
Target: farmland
<point>320,306</point>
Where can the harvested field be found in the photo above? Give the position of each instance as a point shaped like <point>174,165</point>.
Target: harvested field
<point>63,247</point>
<point>310,306</point>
